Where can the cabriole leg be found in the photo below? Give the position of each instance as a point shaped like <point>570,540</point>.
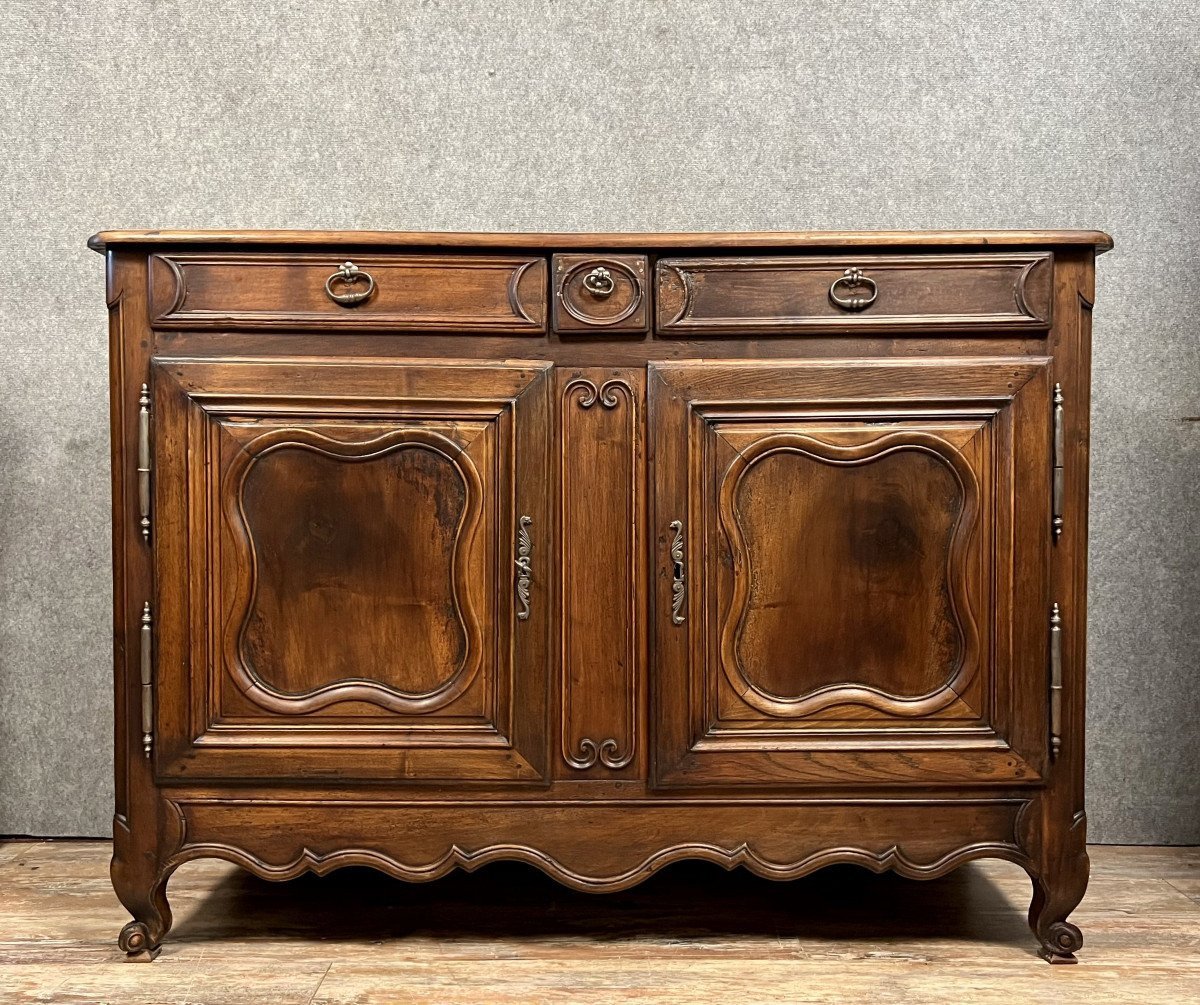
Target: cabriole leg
<point>1048,911</point>
<point>1058,888</point>
<point>141,886</point>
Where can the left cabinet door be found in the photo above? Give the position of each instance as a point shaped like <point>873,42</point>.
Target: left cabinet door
<point>349,569</point>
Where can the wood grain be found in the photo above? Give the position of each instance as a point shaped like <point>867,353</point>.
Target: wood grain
<point>884,512</point>
<point>445,293</point>
<point>372,551</point>
<point>353,601</point>
<point>601,499</point>
<point>989,293</point>
<point>415,595</point>
<point>624,308</point>
<point>817,548</point>
<point>583,241</point>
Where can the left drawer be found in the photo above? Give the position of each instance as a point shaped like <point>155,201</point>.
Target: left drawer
<point>419,293</point>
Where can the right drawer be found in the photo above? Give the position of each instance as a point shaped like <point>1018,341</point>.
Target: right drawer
<point>1001,293</point>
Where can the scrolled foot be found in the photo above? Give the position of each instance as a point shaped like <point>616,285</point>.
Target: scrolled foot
<point>135,942</point>
<point>1061,942</point>
<point>1059,869</point>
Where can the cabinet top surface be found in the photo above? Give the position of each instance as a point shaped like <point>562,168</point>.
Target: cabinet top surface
<point>568,241</point>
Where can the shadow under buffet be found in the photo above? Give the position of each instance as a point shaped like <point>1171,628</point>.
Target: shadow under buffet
<point>599,552</point>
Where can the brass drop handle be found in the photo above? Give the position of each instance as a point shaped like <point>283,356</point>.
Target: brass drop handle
<point>349,275</point>
<point>853,280</point>
<point>599,282</point>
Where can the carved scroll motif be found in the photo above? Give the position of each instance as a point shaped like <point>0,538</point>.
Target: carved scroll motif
<point>597,589</point>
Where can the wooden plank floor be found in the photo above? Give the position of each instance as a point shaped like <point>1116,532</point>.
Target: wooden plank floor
<point>509,935</point>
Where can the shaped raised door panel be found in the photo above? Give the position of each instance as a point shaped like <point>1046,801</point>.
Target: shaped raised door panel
<point>855,539</point>
<point>883,531</point>
<point>337,594</point>
<point>358,560</point>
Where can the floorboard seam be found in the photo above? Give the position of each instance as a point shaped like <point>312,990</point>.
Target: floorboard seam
<point>317,990</point>
<point>1194,898</point>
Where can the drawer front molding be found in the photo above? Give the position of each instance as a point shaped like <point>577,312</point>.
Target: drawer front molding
<point>411,293</point>
<point>989,293</point>
<point>598,295</point>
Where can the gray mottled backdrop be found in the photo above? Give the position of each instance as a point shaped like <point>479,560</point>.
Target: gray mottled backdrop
<point>621,115</point>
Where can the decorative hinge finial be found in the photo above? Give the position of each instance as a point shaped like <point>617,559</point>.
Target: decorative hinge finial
<point>1056,499</point>
<point>143,469</point>
<point>1056,684</point>
<point>147,681</point>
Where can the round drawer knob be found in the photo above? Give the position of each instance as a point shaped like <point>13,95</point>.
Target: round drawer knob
<point>853,280</point>
<point>599,283</point>
<point>349,275</point>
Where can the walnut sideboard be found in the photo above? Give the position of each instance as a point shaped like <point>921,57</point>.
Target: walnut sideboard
<point>599,552</point>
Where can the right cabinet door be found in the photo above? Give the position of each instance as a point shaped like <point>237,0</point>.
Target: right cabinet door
<point>852,572</point>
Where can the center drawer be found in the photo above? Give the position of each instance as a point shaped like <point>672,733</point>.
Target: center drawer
<point>987,292</point>
<point>419,293</point>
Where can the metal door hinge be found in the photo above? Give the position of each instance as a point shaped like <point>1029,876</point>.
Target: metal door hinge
<point>143,469</point>
<point>1056,498</point>
<point>1056,684</point>
<point>147,680</point>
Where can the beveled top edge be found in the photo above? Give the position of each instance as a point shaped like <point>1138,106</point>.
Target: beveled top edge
<point>583,241</point>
